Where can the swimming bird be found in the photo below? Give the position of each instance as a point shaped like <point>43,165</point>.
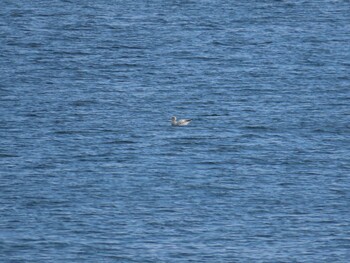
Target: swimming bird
<point>179,122</point>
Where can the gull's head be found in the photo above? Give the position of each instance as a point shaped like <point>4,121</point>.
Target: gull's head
<point>173,118</point>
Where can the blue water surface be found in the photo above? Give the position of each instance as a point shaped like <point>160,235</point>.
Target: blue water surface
<point>92,171</point>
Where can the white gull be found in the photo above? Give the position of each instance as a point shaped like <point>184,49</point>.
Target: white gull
<point>179,122</point>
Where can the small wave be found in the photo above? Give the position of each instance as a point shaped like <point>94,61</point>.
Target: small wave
<point>256,127</point>
<point>121,142</point>
<point>80,103</point>
<point>7,155</point>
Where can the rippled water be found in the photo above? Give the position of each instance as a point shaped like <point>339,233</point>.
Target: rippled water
<point>92,171</point>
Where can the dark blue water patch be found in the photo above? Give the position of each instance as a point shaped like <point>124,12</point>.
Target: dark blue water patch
<point>8,155</point>
<point>90,165</point>
<point>122,142</point>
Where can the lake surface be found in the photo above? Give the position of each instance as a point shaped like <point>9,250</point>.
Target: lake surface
<point>92,171</point>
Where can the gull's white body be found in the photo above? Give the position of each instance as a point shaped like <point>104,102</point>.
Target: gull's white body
<point>183,122</point>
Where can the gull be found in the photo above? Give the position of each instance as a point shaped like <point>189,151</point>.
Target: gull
<point>179,122</point>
